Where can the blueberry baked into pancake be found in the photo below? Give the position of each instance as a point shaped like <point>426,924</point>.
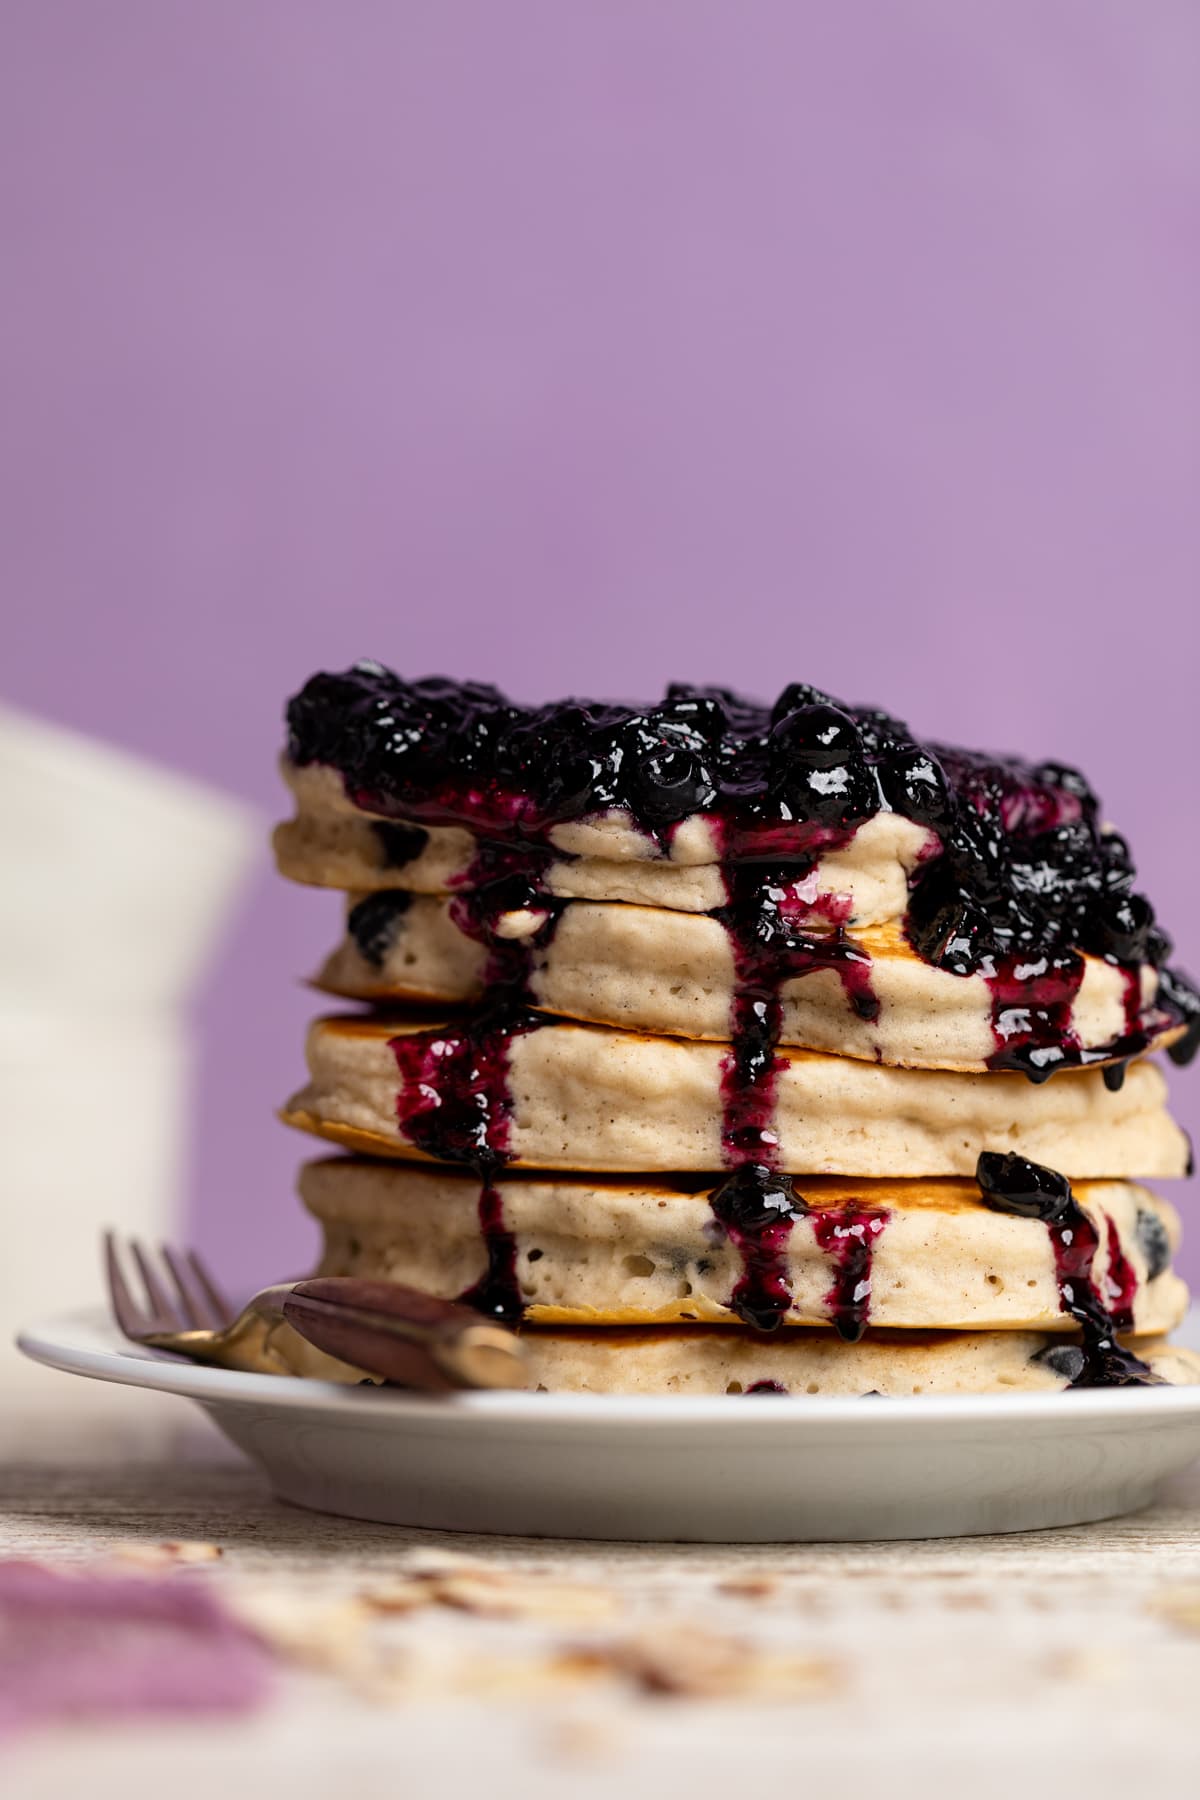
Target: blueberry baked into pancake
<point>730,1049</point>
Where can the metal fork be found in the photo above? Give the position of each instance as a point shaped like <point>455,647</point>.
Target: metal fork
<point>378,1328</point>
<point>182,1309</point>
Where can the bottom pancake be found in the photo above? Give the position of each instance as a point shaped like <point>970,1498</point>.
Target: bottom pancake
<point>587,1250</point>
<point>699,1359</point>
<point>890,1364</point>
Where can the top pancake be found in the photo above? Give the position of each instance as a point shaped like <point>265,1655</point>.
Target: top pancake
<point>332,842</point>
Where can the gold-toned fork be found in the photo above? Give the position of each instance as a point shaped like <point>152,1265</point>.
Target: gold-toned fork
<point>181,1308</point>
<point>375,1328</point>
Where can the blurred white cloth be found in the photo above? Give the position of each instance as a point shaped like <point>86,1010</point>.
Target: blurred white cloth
<point>118,878</point>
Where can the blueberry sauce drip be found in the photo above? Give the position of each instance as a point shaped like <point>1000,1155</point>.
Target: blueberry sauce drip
<point>1020,871</point>
<point>399,844</point>
<point>766,1387</point>
<point>454,1104</point>
<point>1120,1282</point>
<point>770,947</point>
<point>1011,1184</point>
<point>505,879</point>
<point>497,1293</point>
<point>848,1235</point>
<point>756,1209</point>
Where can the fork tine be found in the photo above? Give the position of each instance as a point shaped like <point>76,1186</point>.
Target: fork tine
<point>166,1313</point>
<point>195,1312</point>
<point>222,1310</point>
<point>132,1322</point>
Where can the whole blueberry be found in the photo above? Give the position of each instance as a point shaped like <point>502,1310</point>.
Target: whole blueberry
<point>796,694</point>
<point>754,1199</point>
<point>1121,927</point>
<point>1067,1360</point>
<point>818,736</point>
<point>914,785</point>
<point>669,782</point>
<point>1012,1184</point>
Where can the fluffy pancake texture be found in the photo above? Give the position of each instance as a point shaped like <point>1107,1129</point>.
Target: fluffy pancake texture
<point>333,843</point>
<point>591,1252</point>
<point>653,970</point>
<point>585,1098</point>
<point>889,1364</point>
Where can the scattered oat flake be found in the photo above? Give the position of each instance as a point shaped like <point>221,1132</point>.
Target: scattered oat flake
<point>688,1661</point>
<point>465,1585</point>
<point>529,1599</point>
<point>750,1586</point>
<point>318,1631</point>
<point>172,1553</point>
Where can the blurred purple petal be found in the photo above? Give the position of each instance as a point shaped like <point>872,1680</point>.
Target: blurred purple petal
<point>117,1645</point>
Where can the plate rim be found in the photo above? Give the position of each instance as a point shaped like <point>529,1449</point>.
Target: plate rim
<point>62,1342</point>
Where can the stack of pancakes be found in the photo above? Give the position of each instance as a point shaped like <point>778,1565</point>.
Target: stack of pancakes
<point>713,1045</point>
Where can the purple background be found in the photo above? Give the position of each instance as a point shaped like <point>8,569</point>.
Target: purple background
<point>583,345</point>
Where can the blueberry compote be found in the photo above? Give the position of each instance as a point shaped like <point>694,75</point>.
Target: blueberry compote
<point>1009,1183</point>
<point>455,1105</point>
<point>771,946</point>
<point>756,1209</point>
<point>1019,880</point>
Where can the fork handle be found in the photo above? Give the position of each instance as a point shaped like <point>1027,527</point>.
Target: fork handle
<point>403,1335</point>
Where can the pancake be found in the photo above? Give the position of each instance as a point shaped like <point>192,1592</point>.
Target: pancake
<point>333,843</point>
<point>890,1364</point>
<point>652,970</point>
<point>697,1359</point>
<point>542,1094</point>
<point>587,1252</point>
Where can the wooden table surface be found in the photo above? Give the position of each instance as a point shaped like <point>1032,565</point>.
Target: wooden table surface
<point>975,1665</point>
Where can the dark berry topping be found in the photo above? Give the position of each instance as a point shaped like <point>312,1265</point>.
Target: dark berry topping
<point>1180,993</point>
<point>914,783</point>
<point>374,921</point>
<point>399,844</point>
<point>1010,1183</point>
<point>766,1387</point>
<point>1120,927</point>
<point>756,1210</point>
<point>754,1199</point>
<point>1019,875</point>
<point>1067,1360</point>
<point>1153,1242</point>
<point>817,770</point>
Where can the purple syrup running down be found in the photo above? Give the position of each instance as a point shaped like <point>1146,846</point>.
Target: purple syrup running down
<point>507,879</point>
<point>1020,869</point>
<point>848,1235</point>
<point>1009,1183</point>
<point>455,1104</point>
<point>769,946</point>
<point>757,1208</point>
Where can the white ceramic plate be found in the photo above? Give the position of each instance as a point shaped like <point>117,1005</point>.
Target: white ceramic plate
<point>769,1469</point>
